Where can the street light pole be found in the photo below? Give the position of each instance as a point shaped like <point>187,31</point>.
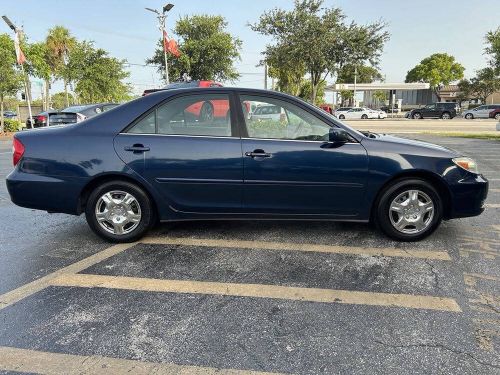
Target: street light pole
<point>162,18</point>
<point>355,81</point>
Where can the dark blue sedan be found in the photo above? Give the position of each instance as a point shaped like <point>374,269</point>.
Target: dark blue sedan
<point>199,154</point>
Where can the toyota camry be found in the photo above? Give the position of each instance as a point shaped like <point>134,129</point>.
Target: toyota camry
<point>155,159</point>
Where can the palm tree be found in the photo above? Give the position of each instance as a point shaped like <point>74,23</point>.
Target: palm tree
<point>59,43</point>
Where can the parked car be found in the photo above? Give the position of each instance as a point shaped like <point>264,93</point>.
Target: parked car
<point>146,161</point>
<point>268,112</point>
<point>388,109</point>
<point>338,111</point>
<point>361,113</point>
<point>444,110</point>
<point>9,114</point>
<point>78,113</point>
<point>184,85</point>
<point>495,114</point>
<point>39,120</point>
<point>483,111</point>
<point>327,108</point>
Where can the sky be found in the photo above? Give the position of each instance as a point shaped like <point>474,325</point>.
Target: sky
<point>127,31</point>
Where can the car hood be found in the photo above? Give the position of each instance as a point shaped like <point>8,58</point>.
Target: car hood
<point>409,146</point>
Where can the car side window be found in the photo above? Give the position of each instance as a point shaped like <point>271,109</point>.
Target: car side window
<point>203,115</point>
<point>286,121</point>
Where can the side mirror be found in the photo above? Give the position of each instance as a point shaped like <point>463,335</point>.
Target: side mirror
<point>337,135</point>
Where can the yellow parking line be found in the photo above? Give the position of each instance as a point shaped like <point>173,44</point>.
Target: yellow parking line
<point>26,290</point>
<point>258,291</point>
<point>492,205</point>
<point>494,190</point>
<point>24,360</point>
<point>335,249</point>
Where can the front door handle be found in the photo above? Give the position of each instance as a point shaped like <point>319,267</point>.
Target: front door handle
<point>137,148</point>
<point>258,154</point>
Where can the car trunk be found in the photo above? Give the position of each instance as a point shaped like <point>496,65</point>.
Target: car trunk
<point>62,118</point>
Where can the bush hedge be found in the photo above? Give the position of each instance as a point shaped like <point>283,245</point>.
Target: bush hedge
<point>11,125</point>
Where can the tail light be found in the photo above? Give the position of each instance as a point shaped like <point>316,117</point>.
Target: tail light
<point>41,118</point>
<point>18,151</point>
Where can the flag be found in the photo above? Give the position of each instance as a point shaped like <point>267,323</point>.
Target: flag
<point>21,59</point>
<point>170,45</point>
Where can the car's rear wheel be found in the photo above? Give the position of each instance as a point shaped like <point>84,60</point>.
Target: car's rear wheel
<point>341,117</point>
<point>417,116</point>
<point>469,116</point>
<point>364,117</point>
<point>446,116</point>
<point>119,211</point>
<point>497,116</point>
<point>409,210</point>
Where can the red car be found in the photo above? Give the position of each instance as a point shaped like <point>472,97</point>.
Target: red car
<point>495,114</point>
<point>204,111</point>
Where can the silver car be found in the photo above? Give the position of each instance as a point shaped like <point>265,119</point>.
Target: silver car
<point>483,111</point>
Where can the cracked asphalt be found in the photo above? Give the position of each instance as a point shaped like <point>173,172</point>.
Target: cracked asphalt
<point>252,296</point>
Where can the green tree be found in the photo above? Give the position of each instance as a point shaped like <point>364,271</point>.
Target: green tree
<point>319,39</point>
<point>59,100</point>
<point>485,83</point>
<point>365,74</point>
<point>438,69</point>
<point>305,91</point>
<point>208,51</point>
<point>380,96</point>
<point>493,48</point>
<point>289,73</point>
<point>10,78</point>
<point>59,43</point>
<point>37,65</point>
<point>98,76</point>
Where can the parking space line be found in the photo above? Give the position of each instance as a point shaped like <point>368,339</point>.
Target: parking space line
<point>258,291</point>
<point>494,190</point>
<point>492,205</point>
<point>26,290</point>
<point>334,249</point>
<point>25,360</point>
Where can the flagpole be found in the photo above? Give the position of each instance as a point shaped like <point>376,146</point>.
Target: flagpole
<point>167,78</point>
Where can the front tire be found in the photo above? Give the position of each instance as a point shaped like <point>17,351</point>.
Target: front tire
<point>341,117</point>
<point>409,210</point>
<point>446,116</point>
<point>119,211</point>
<point>469,116</point>
<point>497,117</point>
<point>364,117</point>
<point>417,116</point>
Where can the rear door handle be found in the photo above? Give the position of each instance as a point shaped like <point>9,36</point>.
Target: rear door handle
<point>137,148</point>
<point>258,154</point>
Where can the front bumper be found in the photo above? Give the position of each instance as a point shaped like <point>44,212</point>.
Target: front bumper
<point>468,196</point>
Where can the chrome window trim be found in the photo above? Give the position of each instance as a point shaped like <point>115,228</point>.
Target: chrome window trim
<point>182,135</point>
<point>293,140</point>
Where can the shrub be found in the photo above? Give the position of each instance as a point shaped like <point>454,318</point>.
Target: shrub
<point>11,125</point>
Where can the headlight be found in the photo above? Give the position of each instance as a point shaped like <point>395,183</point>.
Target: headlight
<point>466,163</point>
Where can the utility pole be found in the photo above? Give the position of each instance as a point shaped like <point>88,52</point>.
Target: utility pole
<point>162,19</point>
<point>17,40</point>
<point>355,81</point>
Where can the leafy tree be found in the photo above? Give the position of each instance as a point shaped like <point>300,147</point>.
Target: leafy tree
<point>10,78</point>
<point>380,95</point>
<point>319,39</point>
<point>59,100</point>
<point>37,65</point>
<point>485,83</point>
<point>289,73</point>
<point>365,74</point>
<point>493,48</point>
<point>208,51</point>
<point>437,69</point>
<point>59,43</point>
<point>305,91</point>
<point>98,76</point>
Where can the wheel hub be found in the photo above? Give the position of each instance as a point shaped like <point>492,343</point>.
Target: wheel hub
<point>118,212</point>
<point>411,212</point>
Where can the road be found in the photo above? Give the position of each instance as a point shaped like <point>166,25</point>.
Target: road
<point>284,297</point>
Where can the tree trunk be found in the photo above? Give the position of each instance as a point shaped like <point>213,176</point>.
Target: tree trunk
<point>66,92</point>
<point>47,95</point>
<point>1,115</point>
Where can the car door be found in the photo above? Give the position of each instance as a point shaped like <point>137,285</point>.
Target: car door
<point>481,111</point>
<point>291,168</point>
<point>430,111</point>
<point>196,164</point>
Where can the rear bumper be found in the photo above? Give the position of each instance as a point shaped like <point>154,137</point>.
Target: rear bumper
<point>469,196</point>
<point>54,194</point>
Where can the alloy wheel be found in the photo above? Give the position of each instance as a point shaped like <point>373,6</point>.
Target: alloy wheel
<point>118,212</point>
<point>411,212</point>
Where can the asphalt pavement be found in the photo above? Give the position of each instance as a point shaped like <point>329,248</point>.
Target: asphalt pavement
<point>251,296</point>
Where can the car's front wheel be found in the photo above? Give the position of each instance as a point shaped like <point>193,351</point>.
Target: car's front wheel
<point>446,116</point>
<point>409,210</point>
<point>417,116</point>
<point>469,116</point>
<point>119,211</point>
<point>497,116</point>
<point>341,117</point>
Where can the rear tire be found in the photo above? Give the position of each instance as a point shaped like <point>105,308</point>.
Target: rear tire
<point>446,116</point>
<point>469,116</point>
<point>119,211</point>
<point>497,117</point>
<point>417,116</point>
<point>364,117</point>
<point>403,219</point>
<point>341,117</point>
